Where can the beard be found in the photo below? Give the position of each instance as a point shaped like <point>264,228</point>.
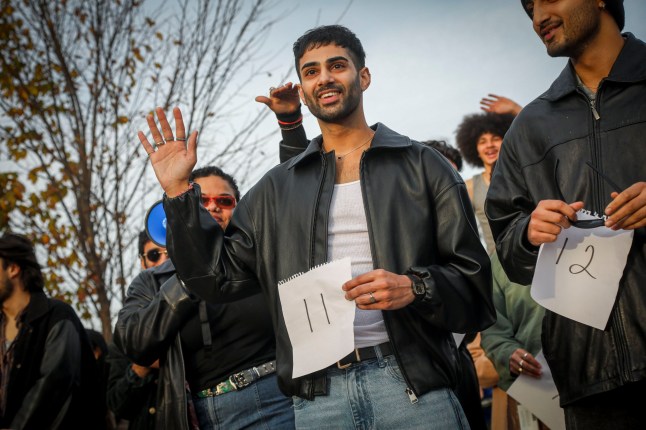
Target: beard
<point>339,111</point>
<point>582,27</point>
<point>6,290</point>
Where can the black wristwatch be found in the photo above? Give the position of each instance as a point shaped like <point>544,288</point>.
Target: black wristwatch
<point>418,286</point>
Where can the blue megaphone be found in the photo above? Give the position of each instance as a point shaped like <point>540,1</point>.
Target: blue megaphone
<point>156,224</point>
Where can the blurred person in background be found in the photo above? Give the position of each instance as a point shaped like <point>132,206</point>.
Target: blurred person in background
<point>48,374</point>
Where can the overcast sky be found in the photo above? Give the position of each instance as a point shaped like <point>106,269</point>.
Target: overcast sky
<point>432,60</point>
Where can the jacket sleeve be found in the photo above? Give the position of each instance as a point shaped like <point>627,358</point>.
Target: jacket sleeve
<point>509,207</point>
<point>294,141</point>
<point>49,398</point>
<point>214,266</point>
<point>127,394</point>
<point>458,287</point>
<point>150,320</point>
<point>499,341</point>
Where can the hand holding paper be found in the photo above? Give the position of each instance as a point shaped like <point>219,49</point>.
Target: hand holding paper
<point>578,275</point>
<point>319,320</point>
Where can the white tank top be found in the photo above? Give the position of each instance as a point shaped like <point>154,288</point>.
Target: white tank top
<point>348,237</point>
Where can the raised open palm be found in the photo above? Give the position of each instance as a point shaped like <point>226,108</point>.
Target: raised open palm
<point>172,156</point>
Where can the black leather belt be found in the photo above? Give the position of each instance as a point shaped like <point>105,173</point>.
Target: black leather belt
<point>361,354</point>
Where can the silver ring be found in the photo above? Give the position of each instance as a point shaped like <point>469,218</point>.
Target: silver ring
<point>520,363</point>
<point>177,139</point>
<point>372,298</point>
<point>525,355</point>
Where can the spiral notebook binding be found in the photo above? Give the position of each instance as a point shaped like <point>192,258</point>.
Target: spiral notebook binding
<point>296,275</point>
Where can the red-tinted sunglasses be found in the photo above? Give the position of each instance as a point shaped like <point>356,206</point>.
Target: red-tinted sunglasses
<point>223,201</point>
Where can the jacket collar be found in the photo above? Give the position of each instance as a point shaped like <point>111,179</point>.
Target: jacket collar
<point>37,307</point>
<point>630,66</point>
<point>165,268</point>
<point>384,138</point>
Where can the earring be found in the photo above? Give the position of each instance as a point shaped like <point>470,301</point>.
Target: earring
<point>602,5</point>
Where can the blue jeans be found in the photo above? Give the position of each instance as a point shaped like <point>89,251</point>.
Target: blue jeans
<point>260,405</point>
<point>371,395</point>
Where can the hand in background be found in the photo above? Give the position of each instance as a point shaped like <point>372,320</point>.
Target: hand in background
<point>522,361</point>
<point>282,100</point>
<point>499,104</point>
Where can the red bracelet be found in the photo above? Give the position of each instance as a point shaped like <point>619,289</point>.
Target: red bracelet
<point>300,119</point>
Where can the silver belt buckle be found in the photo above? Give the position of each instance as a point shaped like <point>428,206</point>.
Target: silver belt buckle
<point>239,380</point>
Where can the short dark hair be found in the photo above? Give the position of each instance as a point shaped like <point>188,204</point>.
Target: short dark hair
<point>204,172</point>
<point>326,35</point>
<point>143,240</point>
<point>614,7</point>
<point>475,125</point>
<point>452,154</point>
<point>17,249</point>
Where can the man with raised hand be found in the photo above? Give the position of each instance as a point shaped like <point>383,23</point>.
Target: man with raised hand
<point>396,207</point>
<point>581,145</point>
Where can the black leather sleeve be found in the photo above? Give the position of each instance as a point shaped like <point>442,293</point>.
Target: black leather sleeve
<point>148,322</point>
<point>509,207</point>
<point>49,398</point>
<point>458,290</point>
<point>212,268</point>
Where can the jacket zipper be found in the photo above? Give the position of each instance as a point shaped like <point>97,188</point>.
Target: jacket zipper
<point>409,390</point>
<point>316,210</point>
<point>617,325</point>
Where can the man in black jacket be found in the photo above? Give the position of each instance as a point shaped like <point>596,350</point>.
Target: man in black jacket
<point>396,207</point>
<point>48,373</point>
<point>132,389</point>
<point>581,145</point>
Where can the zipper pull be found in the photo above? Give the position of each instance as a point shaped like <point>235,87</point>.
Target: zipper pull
<point>594,111</point>
<point>411,396</point>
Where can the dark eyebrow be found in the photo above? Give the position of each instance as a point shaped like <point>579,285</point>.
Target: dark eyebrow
<point>328,61</point>
<point>310,64</point>
<point>335,59</point>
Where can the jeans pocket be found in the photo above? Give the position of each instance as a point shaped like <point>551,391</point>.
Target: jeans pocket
<point>392,370</point>
<point>299,403</point>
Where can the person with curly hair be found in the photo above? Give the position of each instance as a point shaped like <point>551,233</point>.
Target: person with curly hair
<point>479,137</point>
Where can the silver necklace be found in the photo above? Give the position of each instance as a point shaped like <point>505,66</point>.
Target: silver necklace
<point>341,157</point>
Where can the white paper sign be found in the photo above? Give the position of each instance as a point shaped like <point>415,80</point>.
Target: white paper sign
<point>578,275</point>
<point>319,320</point>
<point>540,396</point>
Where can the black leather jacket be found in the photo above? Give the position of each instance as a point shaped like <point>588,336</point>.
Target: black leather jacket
<point>544,156</point>
<point>53,376</point>
<point>156,308</point>
<point>418,215</point>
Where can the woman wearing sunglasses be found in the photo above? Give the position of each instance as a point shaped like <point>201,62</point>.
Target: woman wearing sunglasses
<point>225,353</point>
